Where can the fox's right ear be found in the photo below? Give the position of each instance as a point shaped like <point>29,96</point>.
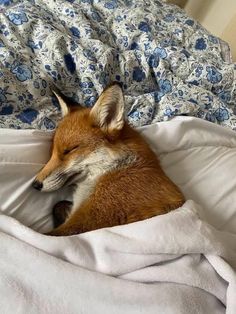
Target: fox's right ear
<point>64,108</point>
<point>108,111</point>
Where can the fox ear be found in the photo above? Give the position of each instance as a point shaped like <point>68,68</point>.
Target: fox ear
<point>108,111</point>
<point>64,108</point>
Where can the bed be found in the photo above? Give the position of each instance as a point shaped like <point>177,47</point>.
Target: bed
<point>179,89</point>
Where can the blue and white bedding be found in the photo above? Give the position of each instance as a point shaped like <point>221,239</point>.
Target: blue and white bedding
<point>168,64</point>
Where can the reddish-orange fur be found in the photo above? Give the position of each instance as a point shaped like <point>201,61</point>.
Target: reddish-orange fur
<point>137,191</point>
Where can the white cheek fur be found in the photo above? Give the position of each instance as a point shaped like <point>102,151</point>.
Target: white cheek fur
<point>54,181</point>
<point>96,164</point>
<point>89,170</point>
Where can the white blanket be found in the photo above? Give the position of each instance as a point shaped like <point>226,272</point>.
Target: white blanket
<point>175,263</point>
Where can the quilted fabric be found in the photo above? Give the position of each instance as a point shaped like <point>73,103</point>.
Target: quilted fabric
<point>167,63</point>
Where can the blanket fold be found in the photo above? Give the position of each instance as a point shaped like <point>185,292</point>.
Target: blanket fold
<point>175,262</point>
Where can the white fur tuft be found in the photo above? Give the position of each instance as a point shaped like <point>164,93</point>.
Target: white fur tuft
<point>108,112</point>
<point>63,105</point>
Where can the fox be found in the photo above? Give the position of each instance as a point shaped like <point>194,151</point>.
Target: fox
<point>117,179</point>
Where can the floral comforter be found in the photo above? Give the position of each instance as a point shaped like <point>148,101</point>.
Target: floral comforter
<point>167,63</point>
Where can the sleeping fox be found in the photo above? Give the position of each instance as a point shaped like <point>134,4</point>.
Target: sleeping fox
<point>117,178</point>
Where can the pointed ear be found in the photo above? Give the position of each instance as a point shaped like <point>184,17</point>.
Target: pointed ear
<point>108,111</point>
<point>64,108</point>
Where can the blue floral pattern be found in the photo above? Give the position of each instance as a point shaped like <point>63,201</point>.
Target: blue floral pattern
<point>17,18</point>
<point>166,62</point>
<point>6,2</point>
<point>22,72</point>
<point>200,44</point>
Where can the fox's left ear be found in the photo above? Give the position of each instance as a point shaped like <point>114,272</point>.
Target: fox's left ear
<point>64,108</point>
<point>66,104</point>
<point>108,111</point>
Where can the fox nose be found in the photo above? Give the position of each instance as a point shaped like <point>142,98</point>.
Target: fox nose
<point>37,185</point>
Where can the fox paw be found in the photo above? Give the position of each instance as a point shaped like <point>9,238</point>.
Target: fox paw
<point>61,212</point>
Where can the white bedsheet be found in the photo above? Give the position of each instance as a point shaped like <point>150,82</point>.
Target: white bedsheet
<point>22,154</point>
<point>199,156</point>
<point>174,263</point>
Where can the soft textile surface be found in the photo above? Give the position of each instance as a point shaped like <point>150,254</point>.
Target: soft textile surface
<point>199,156</point>
<point>173,263</point>
<point>168,64</point>
<point>22,154</point>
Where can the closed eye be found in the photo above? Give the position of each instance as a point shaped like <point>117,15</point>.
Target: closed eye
<point>67,151</point>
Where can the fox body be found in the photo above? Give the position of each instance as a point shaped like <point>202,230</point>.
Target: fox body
<point>117,178</point>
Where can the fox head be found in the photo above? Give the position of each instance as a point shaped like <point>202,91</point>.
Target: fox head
<point>83,141</point>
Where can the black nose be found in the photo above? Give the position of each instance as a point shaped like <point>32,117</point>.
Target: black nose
<point>37,185</point>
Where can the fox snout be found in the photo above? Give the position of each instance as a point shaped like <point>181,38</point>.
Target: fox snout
<point>51,177</point>
<point>47,182</point>
<point>37,185</point>
<point>56,174</point>
<point>51,182</point>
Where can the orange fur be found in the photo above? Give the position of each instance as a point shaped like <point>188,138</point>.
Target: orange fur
<point>137,190</point>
